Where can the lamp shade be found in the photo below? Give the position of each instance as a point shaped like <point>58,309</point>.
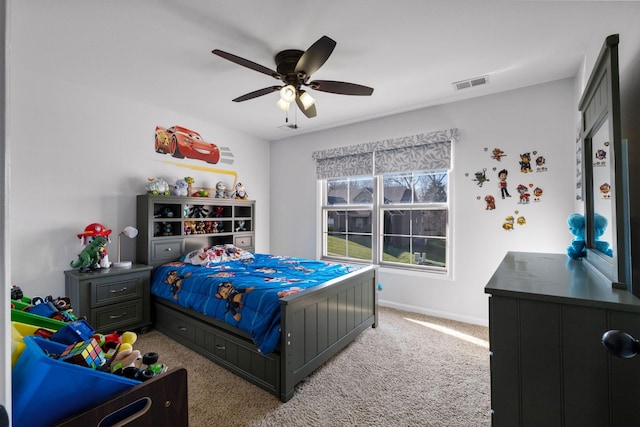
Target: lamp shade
<point>283,105</point>
<point>129,232</point>
<point>288,93</point>
<point>306,99</point>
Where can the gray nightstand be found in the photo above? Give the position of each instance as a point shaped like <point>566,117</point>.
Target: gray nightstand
<point>111,298</point>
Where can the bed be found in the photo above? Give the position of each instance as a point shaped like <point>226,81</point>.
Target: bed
<point>213,306</point>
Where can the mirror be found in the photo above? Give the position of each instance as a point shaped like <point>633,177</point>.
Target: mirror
<point>602,189</point>
<point>605,174</point>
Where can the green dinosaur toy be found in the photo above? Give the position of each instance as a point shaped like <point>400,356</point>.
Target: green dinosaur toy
<point>90,254</point>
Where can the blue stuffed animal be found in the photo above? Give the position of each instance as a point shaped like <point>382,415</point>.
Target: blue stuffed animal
<point>576,226</point>
<point>600,225</point>
<point>578,247</point>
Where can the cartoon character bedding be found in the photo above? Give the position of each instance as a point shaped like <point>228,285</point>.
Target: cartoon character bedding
<point>241,288</point>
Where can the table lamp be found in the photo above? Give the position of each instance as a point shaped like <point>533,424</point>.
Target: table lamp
<point>129,232</point>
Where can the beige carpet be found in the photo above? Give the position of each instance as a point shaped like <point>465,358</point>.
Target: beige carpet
<point>409,371</point>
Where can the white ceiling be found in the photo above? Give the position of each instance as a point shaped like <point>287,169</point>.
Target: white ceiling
<point>410,51</point>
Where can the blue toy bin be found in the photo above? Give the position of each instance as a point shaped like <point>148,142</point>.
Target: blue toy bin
<point>47,390</point>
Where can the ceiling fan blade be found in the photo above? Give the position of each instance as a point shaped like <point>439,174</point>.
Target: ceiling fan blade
<point>315,56</point>
<point>257,93</point>
<point>341,88</point>
<point>246,63</point>
<point>309,112</point>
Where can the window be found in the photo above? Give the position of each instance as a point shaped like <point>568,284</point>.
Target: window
<point>387,202</point>
<point>398,219</point>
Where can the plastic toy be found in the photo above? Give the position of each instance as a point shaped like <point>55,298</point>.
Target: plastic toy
<point>85,353</point>
<point>90,233</point>
<point>189,182</point>
<point>157,186</point>
<point>16,293</point>
<point>90,257</point>
<point>220,189</point>
<point>151,369</point>
<point>241,193</point>
<point>124,359</point>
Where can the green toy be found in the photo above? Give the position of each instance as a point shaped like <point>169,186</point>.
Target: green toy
<point>90,254</point>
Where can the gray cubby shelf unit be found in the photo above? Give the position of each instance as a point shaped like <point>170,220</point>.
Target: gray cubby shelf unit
<point>170,225</point>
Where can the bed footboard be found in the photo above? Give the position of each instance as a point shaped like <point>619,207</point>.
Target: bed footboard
<point>316,325</point>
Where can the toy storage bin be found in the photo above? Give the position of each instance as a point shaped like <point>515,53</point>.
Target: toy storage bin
<point>34,319</point>
<point>46,390</point>
<point>18,332</point>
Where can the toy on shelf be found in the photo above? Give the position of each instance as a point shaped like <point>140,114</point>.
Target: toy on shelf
<point>241,192</point>
<point>220,190</point>
<point>181,188</point>
<point>198,211</point>
<point>94,254</point>
<point>576,227</point>
<point>157,186</point>
<point>578,247</point>
<point>189,182</point>
<point>93,241</point>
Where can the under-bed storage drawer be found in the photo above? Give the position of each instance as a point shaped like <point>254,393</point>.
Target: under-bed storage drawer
<point>235,353</point>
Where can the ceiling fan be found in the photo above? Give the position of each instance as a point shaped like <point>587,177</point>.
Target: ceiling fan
<point>294,69</point>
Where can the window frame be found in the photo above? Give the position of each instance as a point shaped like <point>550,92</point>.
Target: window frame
<point>378,209</point>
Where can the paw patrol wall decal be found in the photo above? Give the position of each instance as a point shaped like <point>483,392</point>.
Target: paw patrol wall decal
<point>497,154</point>
<point>498,196</point>
<point>525,162</point>
<point>502,183</point>
<point>481,177</point>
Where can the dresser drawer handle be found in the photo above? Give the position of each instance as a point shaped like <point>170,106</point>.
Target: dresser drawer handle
<point>117,291</point>
<point>113,317</point>
<point>182,328</point>
<point>168,250</point>
<point>220,347</point>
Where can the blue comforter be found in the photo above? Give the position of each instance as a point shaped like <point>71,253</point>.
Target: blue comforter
<point>244,293</point>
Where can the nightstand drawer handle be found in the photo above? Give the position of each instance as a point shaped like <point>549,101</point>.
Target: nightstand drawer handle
<point>168,249</point>
<point>182,328</point>
<point>117,291</point>
<point>112,317</point>
<point>220,347</point>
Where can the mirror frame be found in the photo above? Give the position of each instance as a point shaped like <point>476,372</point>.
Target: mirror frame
<point>600,103</point>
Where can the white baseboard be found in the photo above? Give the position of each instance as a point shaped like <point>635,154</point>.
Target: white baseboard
<point>435,313</point>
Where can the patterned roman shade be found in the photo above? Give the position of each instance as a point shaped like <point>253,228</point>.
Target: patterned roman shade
<point>422,152</point>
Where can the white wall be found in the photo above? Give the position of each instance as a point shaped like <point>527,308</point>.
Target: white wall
<point>79,156</point>
<point>538,118</point>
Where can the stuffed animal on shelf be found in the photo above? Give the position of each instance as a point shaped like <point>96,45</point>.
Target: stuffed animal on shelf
<point>241,193</point>
<point>578,248</point>
<point>576,226</point>
<point>600,224</point>
<point>180,188</point>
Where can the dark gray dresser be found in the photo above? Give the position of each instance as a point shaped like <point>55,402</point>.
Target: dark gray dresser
<point>547,314</point>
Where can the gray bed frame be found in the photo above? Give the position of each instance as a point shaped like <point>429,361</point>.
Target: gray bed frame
<point>316,324</point>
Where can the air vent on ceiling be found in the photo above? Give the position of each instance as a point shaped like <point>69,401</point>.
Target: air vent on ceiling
<point>476,81</point>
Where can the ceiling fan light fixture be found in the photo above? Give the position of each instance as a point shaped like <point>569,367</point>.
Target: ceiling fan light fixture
<point>306,99</point>
<point>283,105</point>
<point>288,94</point>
